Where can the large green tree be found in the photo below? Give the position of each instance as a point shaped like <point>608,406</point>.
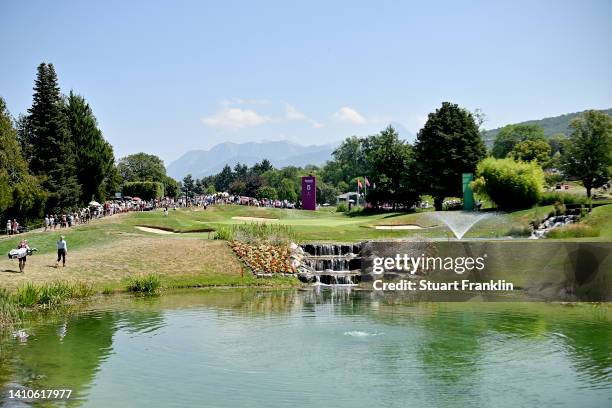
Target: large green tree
<point>588,152</point>
<point>348,162</point>
<point>510,135</point>
<point>448,145</point>
<point>20,193</point>
<point>48,143</point>
<point>224,179</point>
<point>95,160</point>
<point>188,185</point>
<point>142,167</point>
<point>531,150</point>
<point>388,163</point>
<point>171,187</point>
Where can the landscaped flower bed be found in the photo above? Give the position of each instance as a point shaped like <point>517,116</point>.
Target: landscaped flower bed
<point>264,258</point>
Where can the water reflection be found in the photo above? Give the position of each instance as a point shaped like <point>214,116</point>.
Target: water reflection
<point>259,347</point>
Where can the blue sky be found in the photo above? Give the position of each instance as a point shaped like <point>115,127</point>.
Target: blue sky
<point>166,77</point>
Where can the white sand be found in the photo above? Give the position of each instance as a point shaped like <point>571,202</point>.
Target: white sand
<point>398,227</point>
<point>254,219</point>
<point>154,230</point>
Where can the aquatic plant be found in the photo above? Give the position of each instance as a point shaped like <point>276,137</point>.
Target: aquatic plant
<point>27,295</point>
<point>54,293</point>
<point>149,284</point>
<point>9,312</point>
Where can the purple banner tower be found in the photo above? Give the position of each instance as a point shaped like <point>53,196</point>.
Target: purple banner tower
<point>309,193</point>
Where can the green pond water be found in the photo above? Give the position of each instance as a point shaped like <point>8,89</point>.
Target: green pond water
<point>326,348</point>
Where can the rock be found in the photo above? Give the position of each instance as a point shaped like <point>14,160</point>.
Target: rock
<point>306,277</point>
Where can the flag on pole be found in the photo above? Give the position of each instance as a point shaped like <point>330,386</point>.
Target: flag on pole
<point>359,185</point>
<point>367,182</point>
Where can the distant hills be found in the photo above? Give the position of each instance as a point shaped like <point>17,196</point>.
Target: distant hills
<point>552,125</point>
<point>201,163</point>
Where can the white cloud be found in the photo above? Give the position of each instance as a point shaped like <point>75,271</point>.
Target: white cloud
<point>241,101</point>
<point>347,114</point>
<point>235,118</point>
<point>293,114</point>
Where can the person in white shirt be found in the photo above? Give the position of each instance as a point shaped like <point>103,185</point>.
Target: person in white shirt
<point>62,250</point>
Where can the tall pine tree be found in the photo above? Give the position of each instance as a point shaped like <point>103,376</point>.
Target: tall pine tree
<point>20,193</point>
<point>94,156</point>
<point>48,144</point>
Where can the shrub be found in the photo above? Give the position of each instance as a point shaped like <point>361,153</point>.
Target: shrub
<point>266,192</point>
<point>146,284</point>
<point>264,258</point>
<point>224,233</point>
<point>574,231</point>
<point>255,232</point>
<point>509,184</point>
<point>520,231</point>
<point>552,197</point>
<point>559,208</point>
<point>342,207</point>
<point>552,179</point>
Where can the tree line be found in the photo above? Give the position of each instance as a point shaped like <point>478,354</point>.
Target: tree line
<point>55,158</point>
<point>449,144</point>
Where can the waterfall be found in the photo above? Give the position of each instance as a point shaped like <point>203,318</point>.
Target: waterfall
<point>332,264</point>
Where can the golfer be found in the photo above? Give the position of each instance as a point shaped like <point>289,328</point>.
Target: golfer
<point>62,249</point>
<point>24,255</point>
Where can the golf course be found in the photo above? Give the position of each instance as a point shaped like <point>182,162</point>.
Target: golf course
<point>182,250</point>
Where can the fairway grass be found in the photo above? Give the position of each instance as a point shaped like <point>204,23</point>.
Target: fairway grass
<point>107,252</point>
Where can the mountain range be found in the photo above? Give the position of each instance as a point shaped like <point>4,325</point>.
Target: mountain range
<point>551,126</point>
<point>200,163</point>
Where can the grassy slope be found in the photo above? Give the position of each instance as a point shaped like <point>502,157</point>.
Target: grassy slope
<point>601,218</point>
<point>108,251</point>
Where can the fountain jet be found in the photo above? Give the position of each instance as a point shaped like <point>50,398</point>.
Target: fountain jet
<point>460,222</point>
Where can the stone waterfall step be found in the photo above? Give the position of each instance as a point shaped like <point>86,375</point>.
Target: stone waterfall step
<point>331,264</point>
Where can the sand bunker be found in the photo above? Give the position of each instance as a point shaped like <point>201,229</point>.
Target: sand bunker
<point>254,219</point>
<point>154,230</point>
<point>398,227</point>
